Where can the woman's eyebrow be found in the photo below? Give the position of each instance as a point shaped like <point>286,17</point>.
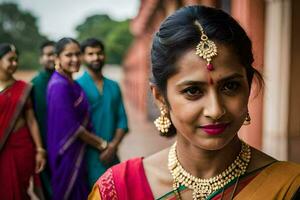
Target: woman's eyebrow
<point>226,78</point>
<point>191,82</point>
<point>232,76</point>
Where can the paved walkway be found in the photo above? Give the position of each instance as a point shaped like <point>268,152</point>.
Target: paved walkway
<point>143,138</point>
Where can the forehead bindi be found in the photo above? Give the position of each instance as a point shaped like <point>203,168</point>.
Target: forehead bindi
<point>210,80</point>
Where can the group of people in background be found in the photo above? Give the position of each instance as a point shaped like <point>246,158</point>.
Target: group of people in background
<point>64,133</point>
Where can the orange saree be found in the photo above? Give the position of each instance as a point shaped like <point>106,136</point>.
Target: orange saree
<point>281,180</point>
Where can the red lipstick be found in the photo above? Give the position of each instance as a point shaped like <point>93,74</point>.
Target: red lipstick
<point>214,129</point>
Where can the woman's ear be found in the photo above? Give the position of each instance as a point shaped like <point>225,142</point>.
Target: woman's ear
<point>158,97</point>
<point>56,61</point>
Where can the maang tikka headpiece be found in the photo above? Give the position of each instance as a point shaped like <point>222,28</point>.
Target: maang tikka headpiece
<point>206,48</point>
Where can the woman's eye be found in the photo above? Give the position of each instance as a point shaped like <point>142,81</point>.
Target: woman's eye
<point>68,55</point>
<point>231,87</point>
<point>193,92</point>
<point>13,59</point>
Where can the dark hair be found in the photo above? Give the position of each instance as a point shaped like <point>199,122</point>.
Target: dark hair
<point>179,33</point>
<point>91,42</point>
<point>45,44</point>
<point>5,48</point>
<point>61,44</point>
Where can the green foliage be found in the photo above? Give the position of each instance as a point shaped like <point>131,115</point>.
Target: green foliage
<point>20,28</point>
<point>114,34</point>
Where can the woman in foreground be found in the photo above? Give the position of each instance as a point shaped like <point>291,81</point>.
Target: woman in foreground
<point>202,76</point>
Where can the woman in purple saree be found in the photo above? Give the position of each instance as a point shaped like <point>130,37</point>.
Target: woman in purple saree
<point>68,125</point>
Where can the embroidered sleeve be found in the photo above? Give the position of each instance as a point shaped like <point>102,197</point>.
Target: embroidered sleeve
<point>107,186</point>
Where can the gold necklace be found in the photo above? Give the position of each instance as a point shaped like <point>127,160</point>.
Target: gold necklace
<point>204,187</point>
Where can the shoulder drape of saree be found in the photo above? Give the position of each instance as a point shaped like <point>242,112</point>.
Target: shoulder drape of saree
<point>67,116</point>
<point>125,181</point>
<point>16,148</point>
<point>278,181</point>
<point>94,194</point>
<point>17,95</point>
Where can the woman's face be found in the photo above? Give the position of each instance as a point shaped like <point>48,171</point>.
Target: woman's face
<point>69,58</point>
<point>9,63</point>
<point>208,107</point>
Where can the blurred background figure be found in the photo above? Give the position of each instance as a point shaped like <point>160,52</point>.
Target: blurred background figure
<point>21,151</point>
<point>107,110</point>
<point>68,125</point>
<point>39,94</point>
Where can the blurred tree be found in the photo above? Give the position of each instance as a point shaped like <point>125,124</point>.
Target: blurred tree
<point>114,34</point>
<point>20,28</point>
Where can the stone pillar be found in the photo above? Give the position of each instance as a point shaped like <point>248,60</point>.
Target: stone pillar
<point>294,108</point>
<point>277,75</point>
<point>251,14</point>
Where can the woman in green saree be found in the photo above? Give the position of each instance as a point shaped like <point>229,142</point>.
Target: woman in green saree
<point>202,76</point>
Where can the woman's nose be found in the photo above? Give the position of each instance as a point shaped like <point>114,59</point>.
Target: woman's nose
<point>214,107</point>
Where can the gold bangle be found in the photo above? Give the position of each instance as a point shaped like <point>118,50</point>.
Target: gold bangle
<point>41,150</point>
<point>103,145</point>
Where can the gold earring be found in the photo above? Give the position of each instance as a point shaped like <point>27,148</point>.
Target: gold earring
<point>163,123</point>
<point>57,67</point>
<point>247,119</point>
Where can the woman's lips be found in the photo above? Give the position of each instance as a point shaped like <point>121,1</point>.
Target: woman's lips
<point>214,129</point>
